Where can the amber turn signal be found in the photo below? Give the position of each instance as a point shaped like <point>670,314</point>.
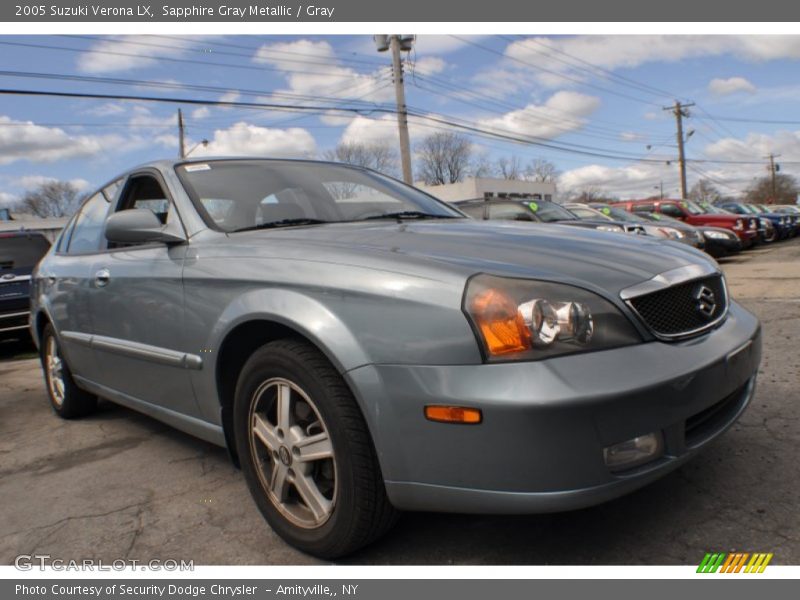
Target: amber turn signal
<point>453,414</point>
<point>502,326</point>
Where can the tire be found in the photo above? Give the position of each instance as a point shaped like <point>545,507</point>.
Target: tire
<point>66,398</point>
<point>332,500</point>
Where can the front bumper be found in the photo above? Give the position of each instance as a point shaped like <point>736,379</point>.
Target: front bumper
<point>722,247</point>
<point>545,424</point>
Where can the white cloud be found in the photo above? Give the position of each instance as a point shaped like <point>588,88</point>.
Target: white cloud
<point>24,140</point>
<point>429,65</point>
<point>364,130</point>
<point>125,53</point>
<point>732,85</point>
<point>756,146</point>
<point>640,180</point>
<point>628,51</point>
<point>250,140</point>
<point>201,113</point>
<point>631,181</point>
<point>106,110</point>
<point>564,111</point>
<point>334,80</point>
<point>232,96</point>
<point>7,199</point>
<point>33,181</point>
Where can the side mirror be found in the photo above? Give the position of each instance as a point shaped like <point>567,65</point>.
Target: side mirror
<point>140,226</point>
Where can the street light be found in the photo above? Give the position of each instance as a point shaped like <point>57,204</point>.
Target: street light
<point>203,143</point>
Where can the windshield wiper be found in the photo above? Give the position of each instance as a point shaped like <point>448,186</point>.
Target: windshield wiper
<point>282,223</point>
<point>409,214</point>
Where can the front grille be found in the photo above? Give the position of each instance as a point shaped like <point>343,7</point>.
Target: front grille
<point>680,310</point>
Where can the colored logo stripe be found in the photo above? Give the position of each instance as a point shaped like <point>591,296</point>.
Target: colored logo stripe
<point>734,562</point>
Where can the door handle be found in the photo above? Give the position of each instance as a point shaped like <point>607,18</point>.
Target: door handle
<point>102,277</point>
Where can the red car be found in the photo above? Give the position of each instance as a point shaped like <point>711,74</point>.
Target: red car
<point>689,212</point>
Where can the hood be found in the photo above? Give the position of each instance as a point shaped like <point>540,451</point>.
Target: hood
<point>585,257</point>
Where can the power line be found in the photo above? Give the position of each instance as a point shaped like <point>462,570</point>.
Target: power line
<point>593,69</point>
<point>321,62</point>
<point>555,73</point>
<point>167,59</point>
<point>184,86</point>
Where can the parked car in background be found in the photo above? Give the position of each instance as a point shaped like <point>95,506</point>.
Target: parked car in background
<point>782,224</point>
<point>19,253</point>
<point>685,234</point>
<point>539,211</point>
<point>794,217</point>
<point>361,347</point>
<point>718,242</point>
<point>587,213</point>
<point>689,212</point>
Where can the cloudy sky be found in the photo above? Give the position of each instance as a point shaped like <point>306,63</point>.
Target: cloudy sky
<point>593,105</point>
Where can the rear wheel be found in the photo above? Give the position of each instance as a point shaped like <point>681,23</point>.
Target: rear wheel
<point>306,453</point>
<point>66,398</point>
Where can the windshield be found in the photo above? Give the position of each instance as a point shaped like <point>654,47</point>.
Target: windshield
<point>620,214</point>
<point>548,212</point>
<point>239,195</point>
<point>716,210</point>
<point>692,208</point>
<point>585,213</point>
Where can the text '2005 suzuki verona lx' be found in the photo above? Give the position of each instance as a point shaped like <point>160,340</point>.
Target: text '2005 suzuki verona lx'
<point>362,348</point>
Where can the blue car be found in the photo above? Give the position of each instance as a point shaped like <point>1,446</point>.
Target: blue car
<point>784,228</point>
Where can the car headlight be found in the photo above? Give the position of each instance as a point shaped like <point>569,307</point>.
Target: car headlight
<point>522,319</point>
<point>613,228</point>
<point>717,235</point>
<point>739,225</point>
<point>671,233</point>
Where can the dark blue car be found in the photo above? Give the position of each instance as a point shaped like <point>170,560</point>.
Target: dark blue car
<point>783,225</point>
<point>19,254</point>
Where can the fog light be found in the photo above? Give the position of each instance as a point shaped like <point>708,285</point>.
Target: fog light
<point>634,452</point>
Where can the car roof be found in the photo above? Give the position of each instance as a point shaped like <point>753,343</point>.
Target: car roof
<point>168,163</point>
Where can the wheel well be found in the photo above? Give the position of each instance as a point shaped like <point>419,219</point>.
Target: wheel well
<point>236,348</point>
<point>41,322</point>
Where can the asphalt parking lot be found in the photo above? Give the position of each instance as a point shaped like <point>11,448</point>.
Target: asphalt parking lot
<point>120,485</point>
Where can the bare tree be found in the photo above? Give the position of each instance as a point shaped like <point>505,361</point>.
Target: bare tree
<point>379,156</point>
<point>482,167</point>
<point>704,191</point>
<point>786,190</point>
<point>541,170</point>
<point>51,199</point>
<point>510,168</point>
<point>588,193</point>
<point>444,157</point>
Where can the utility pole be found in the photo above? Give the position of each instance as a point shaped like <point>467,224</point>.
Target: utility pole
<point>397,44</point>
<point>773,169</point>
<point>679,110</point>
<point>181,135</point>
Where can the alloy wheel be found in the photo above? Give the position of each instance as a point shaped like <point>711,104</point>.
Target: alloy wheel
<point>293,453</point>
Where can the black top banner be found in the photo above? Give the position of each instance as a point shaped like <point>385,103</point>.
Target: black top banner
<point>394,11</point>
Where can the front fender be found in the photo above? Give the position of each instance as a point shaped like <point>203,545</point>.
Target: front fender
<point>308,316</point>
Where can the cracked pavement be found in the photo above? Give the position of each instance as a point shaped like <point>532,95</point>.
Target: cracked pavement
<point>121,485</point>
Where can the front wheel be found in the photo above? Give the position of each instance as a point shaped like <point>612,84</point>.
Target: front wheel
<point>306,452</point>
